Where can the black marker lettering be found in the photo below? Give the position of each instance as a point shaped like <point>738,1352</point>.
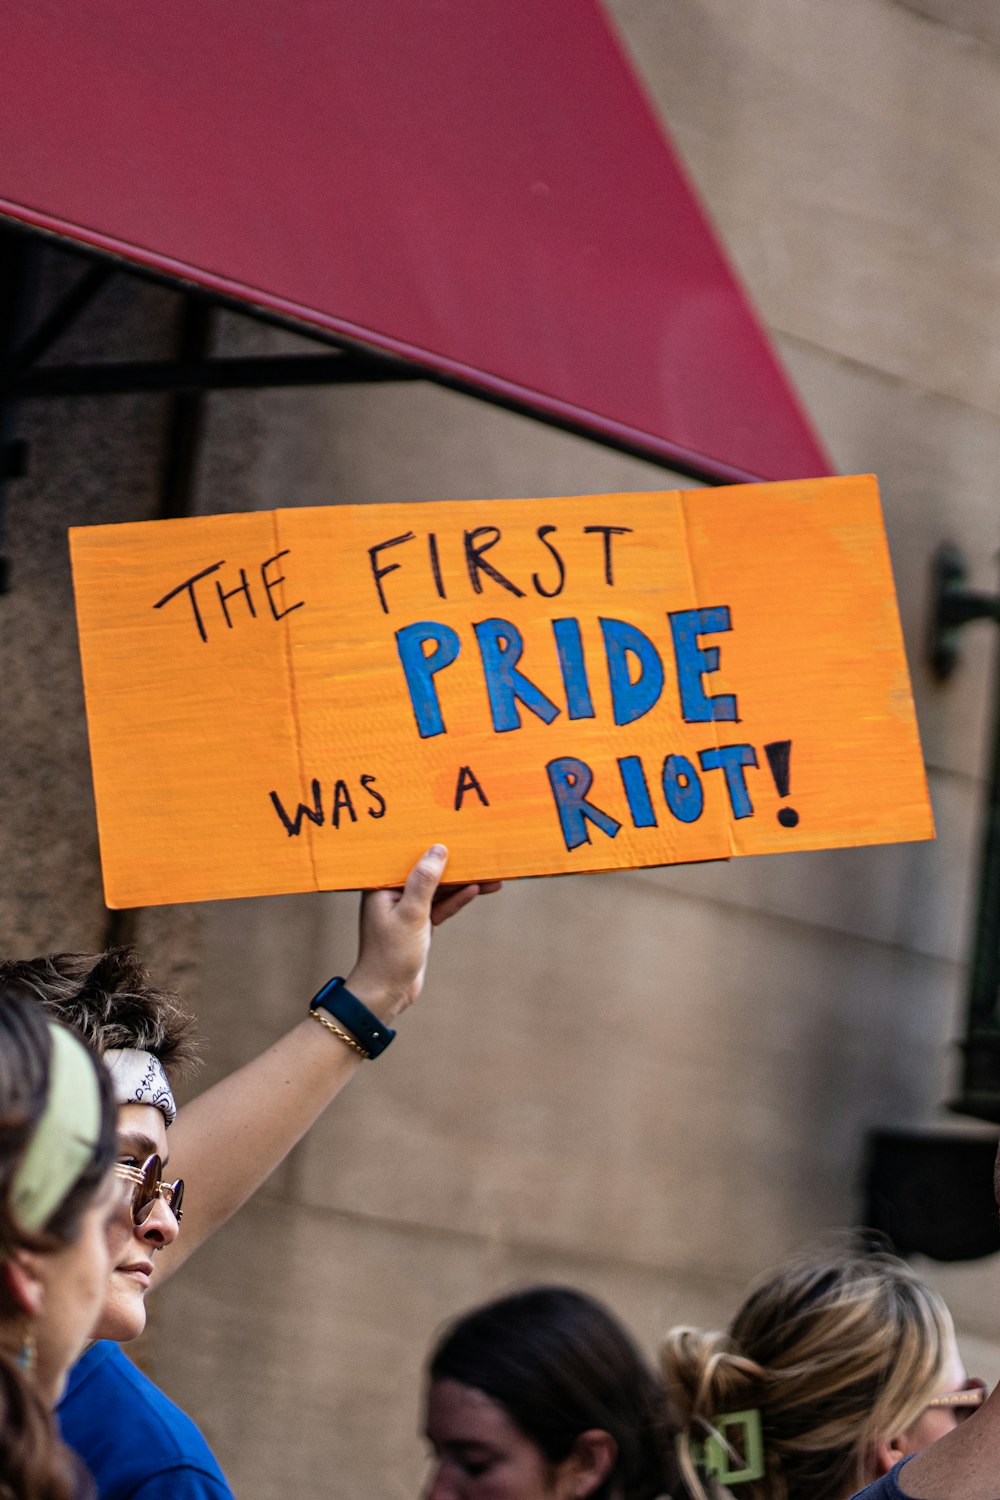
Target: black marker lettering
<point>189,584</point>
<point>468,782</point>
<point>379,573</point>
<point>368,783</point>
<point>542,533</point>
<point>432,547</point>
<point>476,563</point>
<point>608,532</point>
<point>314,813</point>
<point>341,800</point>
<point>242,588</point>
<point>272,583</point>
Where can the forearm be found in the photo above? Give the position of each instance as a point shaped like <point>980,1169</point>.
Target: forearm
<point>229,1139</point>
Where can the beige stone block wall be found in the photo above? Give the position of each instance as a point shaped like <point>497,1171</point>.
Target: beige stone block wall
<point>652,1084</point>
<point>92,460</point>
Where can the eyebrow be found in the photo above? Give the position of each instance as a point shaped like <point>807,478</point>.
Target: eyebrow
<point>135,1143</point>
<point>464,1445</point>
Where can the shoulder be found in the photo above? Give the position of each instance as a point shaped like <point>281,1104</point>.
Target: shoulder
<point>175,1484</point>
<point>148,1447</point>
<point>886,1488</point>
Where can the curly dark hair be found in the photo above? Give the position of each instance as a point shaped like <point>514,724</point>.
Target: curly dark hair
<point>109,1000</point>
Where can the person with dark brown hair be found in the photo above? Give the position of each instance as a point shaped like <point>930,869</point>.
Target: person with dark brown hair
<point>60,1231</point>
<point>542,1395</point>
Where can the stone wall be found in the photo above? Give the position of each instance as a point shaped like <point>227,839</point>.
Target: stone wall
<point>651,1084</point>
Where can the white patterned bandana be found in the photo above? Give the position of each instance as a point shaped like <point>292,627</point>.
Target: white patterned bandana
<point>138,1078</point>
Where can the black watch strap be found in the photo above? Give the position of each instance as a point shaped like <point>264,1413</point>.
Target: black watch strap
<point>373,1034</point>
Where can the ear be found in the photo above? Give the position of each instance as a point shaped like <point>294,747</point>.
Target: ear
<point>887,1455</point>
<point>22,1284</point>
<point>588,1464</point>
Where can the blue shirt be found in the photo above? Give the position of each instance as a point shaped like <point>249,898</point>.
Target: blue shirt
<point>137,1444</point>
<point>886,1488</point>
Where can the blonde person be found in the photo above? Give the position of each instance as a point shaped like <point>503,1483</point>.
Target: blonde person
<point>832,1372</point>
<point>59,1235</point>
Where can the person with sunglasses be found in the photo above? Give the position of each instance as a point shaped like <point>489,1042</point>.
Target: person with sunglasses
<point>833,1371</point>
<point>133,1439</point>
<point>137,1443</point>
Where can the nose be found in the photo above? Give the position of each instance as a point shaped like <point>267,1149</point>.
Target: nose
<point>438,1488</point>
<point>160,1228</point>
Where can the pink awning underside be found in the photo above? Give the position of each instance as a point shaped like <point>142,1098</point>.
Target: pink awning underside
<point>476,185</point>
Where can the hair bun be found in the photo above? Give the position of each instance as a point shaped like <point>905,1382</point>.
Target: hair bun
<point>705,1374</point>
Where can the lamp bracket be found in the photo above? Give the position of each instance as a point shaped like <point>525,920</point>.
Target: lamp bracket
<point>952,606</point>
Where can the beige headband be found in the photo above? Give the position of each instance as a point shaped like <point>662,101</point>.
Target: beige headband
<point>66,1136</point>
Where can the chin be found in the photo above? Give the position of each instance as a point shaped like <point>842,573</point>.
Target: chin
<point>122,1319</point>
<point>120,1330</point>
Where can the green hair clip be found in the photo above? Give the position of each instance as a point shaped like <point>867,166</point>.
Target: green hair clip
<point>715,1456</point>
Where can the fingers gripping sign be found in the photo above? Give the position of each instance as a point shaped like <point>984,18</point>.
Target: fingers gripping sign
<point>395,933</point>
<point>450,899</point>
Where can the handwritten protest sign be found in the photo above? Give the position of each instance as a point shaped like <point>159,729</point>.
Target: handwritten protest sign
<point>305,699</point>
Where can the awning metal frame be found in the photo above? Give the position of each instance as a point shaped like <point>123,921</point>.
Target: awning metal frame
<point>25,340</point>
<point>193,371</point>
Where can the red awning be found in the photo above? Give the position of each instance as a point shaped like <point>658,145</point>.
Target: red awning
<point>479,188</point>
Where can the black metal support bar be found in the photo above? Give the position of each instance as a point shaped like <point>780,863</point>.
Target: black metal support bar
<point>186,411</point>
<point>243,373</point>
<point>634,446</point>
<point>954,606</point>
<point>66,310</point>
<point>984,993</point>
<point>18,277</point>
<point>980,1091</point>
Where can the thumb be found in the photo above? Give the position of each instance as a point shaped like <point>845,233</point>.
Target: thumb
<point>421,883</point>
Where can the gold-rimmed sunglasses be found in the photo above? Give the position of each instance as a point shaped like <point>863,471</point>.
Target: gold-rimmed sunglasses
<point>148,1185</point>
<point>964,1402</point>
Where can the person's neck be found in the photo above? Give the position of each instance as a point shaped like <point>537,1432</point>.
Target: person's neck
<point>965,1465</point>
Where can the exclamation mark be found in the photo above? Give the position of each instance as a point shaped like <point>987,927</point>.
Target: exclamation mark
<point>779,753</point>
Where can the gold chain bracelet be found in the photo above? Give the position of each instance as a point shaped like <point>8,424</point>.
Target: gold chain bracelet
<point>345,1036</point>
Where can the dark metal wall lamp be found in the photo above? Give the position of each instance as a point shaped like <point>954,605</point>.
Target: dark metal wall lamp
<point>953,607</point>
<point>930,1191</point>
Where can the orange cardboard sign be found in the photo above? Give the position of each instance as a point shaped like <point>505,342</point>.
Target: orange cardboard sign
<point>306,699</point>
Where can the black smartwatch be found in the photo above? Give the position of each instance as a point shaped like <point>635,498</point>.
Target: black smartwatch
<point>373,1034</point>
